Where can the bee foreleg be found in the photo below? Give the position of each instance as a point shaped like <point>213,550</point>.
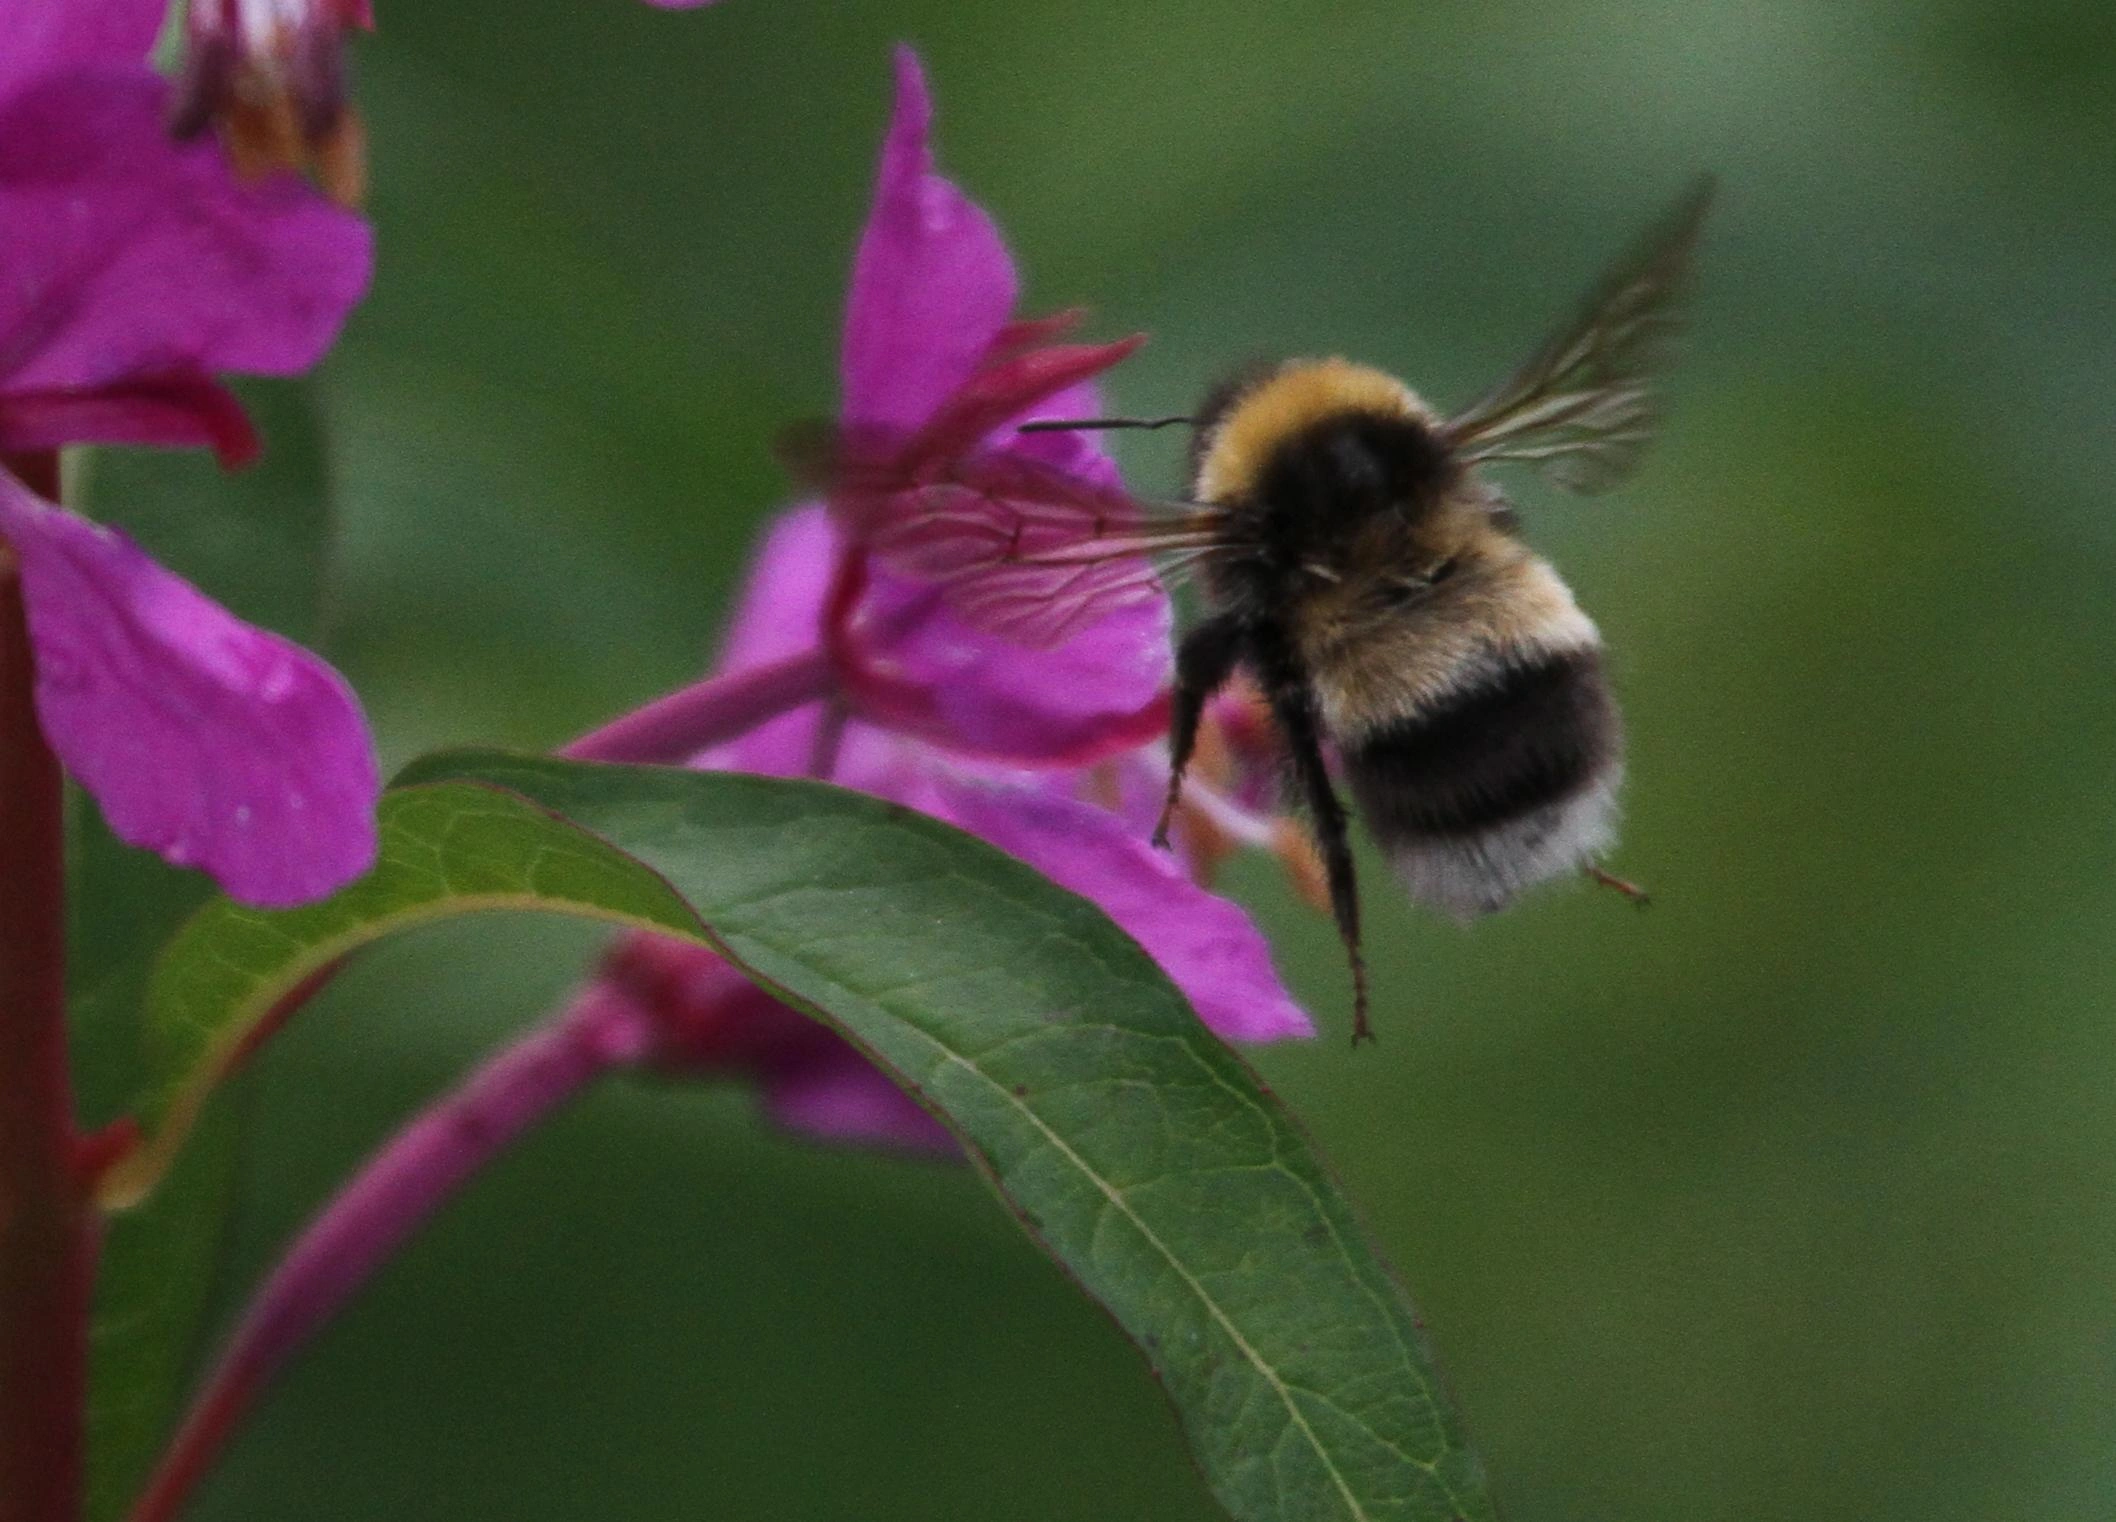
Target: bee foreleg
<point>1292,700</point>
<point>1205,659</point>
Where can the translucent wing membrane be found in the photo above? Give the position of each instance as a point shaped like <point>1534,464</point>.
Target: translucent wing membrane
<point>1018,547</point>
<point>1583,408</point>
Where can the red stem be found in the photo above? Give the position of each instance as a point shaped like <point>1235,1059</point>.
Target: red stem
<point>708,713</point>
<point>47,1230</point>
<point>398,1190</point>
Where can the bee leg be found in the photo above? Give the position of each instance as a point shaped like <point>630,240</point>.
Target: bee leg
<point>1632,891</point>
<point>1204,660</point>
<point>1292,701</point>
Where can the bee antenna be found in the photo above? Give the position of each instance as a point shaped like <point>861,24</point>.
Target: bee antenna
<point>1069,424</point>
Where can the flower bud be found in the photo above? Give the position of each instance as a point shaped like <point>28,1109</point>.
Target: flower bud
<point>270,77</point>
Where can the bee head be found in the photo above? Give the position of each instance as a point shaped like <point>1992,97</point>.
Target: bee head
<point>1326,442</point>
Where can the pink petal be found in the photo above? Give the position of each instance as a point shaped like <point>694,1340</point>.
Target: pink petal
<point>932,285</point>
<point>44,36</point>
<point>1013,388</point>
<point>208,741</point>
<point>781,608</point>
<point>130,256</point>
<point>780,614</point>
<point>1078,452</point>
<point>712,1021</point>
<point>1099,692</point>
<point>1206,944</point>
<point>846,1098</point>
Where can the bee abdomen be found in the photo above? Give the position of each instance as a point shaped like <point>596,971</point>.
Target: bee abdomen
<point>1501,784</point>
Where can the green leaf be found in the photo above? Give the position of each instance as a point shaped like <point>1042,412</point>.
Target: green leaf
<point>446,849</point>
<point>1131,1143</point>
<point>257,541</point>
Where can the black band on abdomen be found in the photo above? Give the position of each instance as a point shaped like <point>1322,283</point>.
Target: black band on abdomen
<point>1530,735</point>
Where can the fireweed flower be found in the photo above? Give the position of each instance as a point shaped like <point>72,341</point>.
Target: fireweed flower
<point>135,270</point>
<point>1053,754</point>
<point>271,75</point>
<point>837,667</point>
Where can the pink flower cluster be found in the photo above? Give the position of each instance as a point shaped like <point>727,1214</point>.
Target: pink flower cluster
<point>1050,753</point>
<point>142,266</point>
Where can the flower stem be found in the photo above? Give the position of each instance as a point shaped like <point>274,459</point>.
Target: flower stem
<point>708,713</point>
<point>47,1230</point>
<point>401,1187</point>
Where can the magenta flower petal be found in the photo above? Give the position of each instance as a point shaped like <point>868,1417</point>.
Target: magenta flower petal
<point>932,285</point>
<point>1099,692</point>
<point>204,739</point>
<point>44,36</point>
<point>1207,945</point>
<point>780,615</point>
<point>781,610</point>
<point>710,1020</point>
<point>843,1097</point>
<point>1076,452</point>
<point>129,255</point>
<point>1013,388</point>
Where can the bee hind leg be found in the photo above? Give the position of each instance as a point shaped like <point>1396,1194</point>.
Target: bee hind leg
<point>1296,717</point>
<point>1292,699</point>
<point>1610,880</point>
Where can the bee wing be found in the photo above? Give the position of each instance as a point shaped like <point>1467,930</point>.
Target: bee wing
<point>1018,547</point>
<point>1583,409</point>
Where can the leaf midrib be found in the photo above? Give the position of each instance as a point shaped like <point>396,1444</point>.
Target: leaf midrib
<point>1204,1297</point>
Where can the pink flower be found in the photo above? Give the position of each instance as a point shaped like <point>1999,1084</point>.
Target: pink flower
<point>271,75</point>
<point>930,320</point>
<point>1049,752</point>
<point>134,271</point>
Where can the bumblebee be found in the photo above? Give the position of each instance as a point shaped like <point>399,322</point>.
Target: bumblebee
<point>1354,560</point>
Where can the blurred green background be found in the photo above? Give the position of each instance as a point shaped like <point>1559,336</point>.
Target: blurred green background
<point>1795,1197</point>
